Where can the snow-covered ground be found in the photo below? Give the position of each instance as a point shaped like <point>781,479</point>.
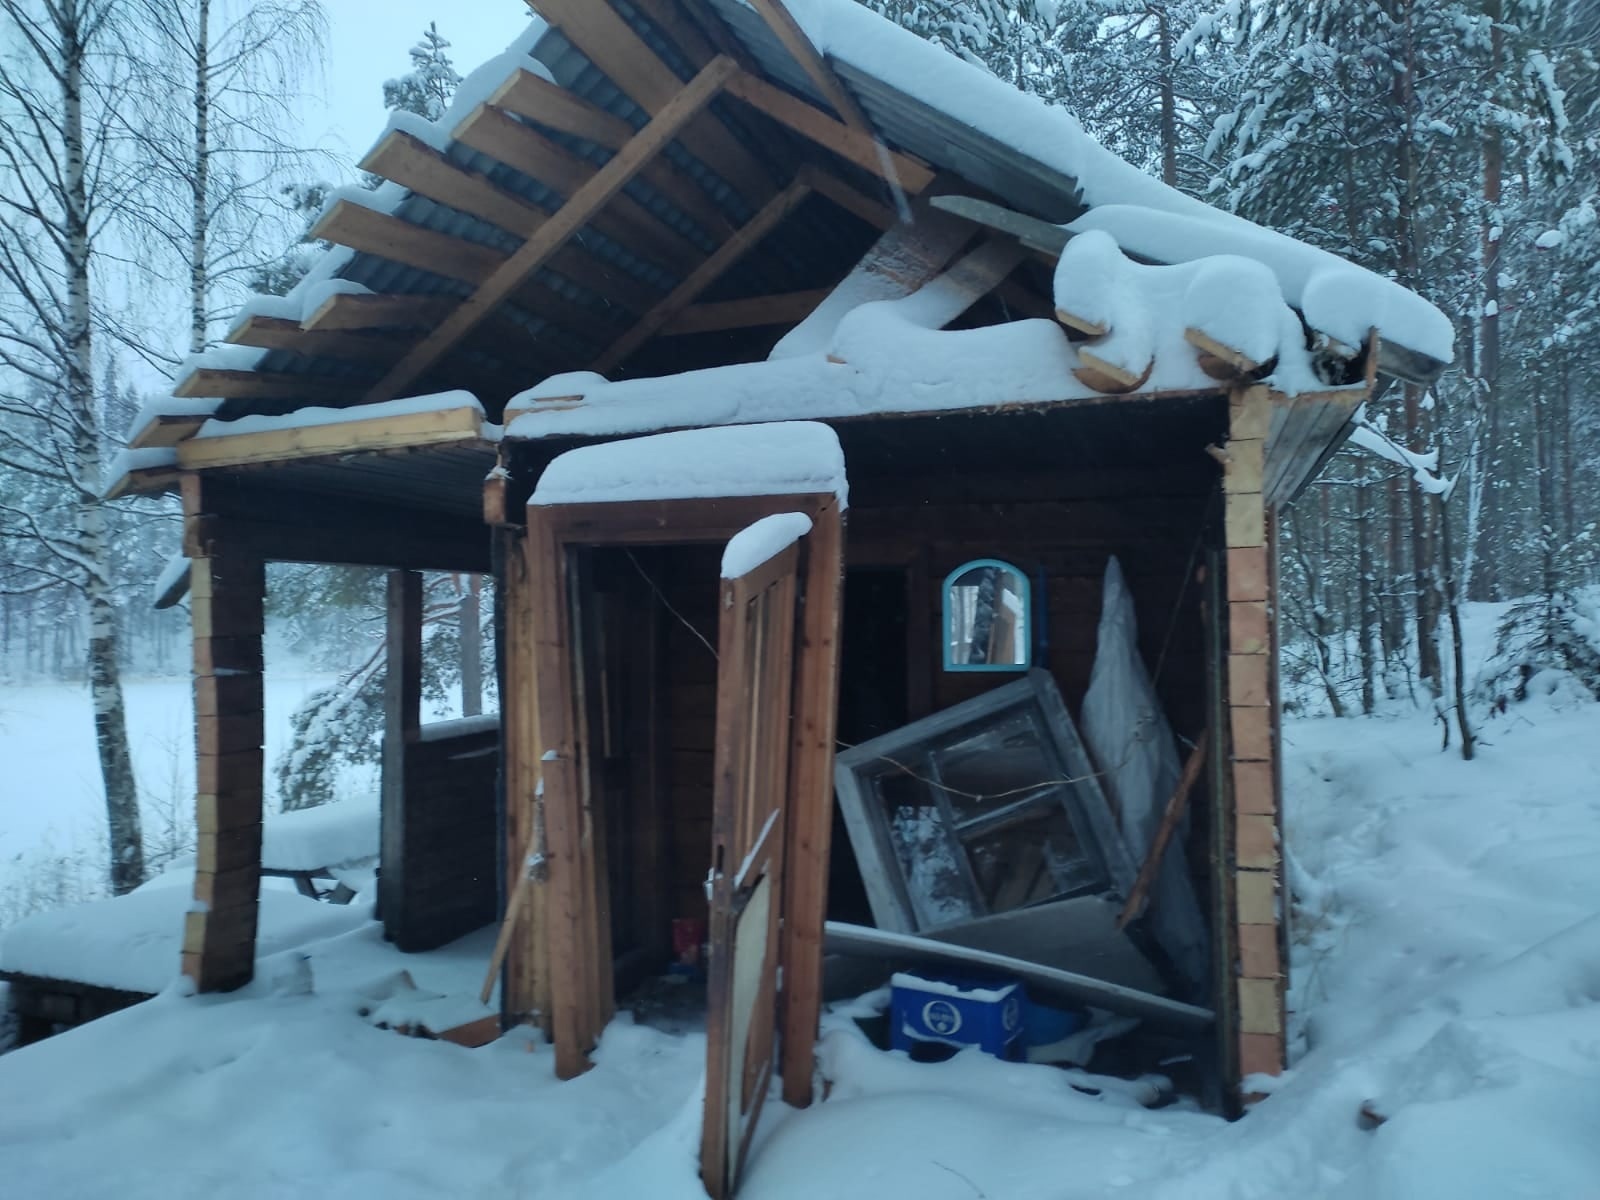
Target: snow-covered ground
<point>52,803</point>
<point>1446,976</point>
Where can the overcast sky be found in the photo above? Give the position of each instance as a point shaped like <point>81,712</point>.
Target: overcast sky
<point>369,41</point>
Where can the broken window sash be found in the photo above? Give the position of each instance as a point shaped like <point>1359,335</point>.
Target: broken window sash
<point>984,808</point>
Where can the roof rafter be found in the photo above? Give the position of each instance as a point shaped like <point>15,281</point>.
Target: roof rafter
<point>787,30</point>
<point>708,272</point>
<point>612,44</point>
<point>580,207</point>
<point>865,150</point>
<point>531,96</point>
<point>390,237</point>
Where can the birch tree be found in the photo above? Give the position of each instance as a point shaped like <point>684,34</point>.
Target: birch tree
<point>220,78</point>
<point>64,178</point>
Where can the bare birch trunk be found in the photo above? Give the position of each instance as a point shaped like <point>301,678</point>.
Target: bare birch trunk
<point>198,275</point>
<point>105,683</point>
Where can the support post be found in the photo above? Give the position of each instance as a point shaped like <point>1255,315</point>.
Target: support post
<point>227,597</point>
<point>402,721</point>
<point>1259,977</point>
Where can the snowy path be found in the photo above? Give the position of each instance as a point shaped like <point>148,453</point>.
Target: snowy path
<point>1448,958</point>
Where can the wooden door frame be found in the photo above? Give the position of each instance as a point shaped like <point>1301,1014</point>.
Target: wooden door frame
<point>579,952</point>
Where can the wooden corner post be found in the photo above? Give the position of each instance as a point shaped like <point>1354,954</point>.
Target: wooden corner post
<point>402,722</point>
<point>227,598</point>
<point>1259,977</point>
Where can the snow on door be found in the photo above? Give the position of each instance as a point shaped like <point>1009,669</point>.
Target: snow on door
<point>754,699</point>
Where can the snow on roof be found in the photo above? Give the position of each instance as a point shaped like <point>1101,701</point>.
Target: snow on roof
<point>1146,216</point>
<point>1230,298</point>
<point>303,418</point>
<point>766,539</point>
<point>133,942</point>
<point>779,459</point>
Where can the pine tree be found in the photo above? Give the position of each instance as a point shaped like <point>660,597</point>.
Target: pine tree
<point>430,84</point>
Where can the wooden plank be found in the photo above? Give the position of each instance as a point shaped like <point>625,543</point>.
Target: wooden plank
<point>810,817</point>
<point>528,95</point>
<point>787,30</point>
<point>165,429</point>
<point>347,312</point>
<point>501,136</point>
<point>861,148</point>
<point>387,236</point>
<point>456,258</point>
<point>1105,376</point>
<point>542,100</point>
<point>782,309</point>
<point>1173,813</point>
<point>707,273</point>
<point>144,481</point>
<point>405,431</point>
<point>566,221</point>
<point>609,42</point>
<point>276,333</point>
<point>569,958</point>
<point>254,385</point>
<point>1218,359</point>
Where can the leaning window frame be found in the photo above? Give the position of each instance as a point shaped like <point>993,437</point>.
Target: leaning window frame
<point>1027,618</point>
<point>856,769</point>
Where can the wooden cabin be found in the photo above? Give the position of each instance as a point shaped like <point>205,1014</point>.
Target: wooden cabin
<point>673,218</point>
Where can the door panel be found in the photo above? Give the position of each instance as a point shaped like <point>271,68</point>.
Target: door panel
<point>754,709</point>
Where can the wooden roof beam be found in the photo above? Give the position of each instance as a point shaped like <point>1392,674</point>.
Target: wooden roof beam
<point>608,41</point>
<point>359,434</point>
<point>276,333</point>
<point>874,212</point>
<point>708,272</point>
<point>536,98</point>
<point>865,150</point>
<point>388,236</point>
<point>554,233</point>
<point>257,385</point>
<point>787,30</point>
<point>781,309</point>
<point>347,311</point>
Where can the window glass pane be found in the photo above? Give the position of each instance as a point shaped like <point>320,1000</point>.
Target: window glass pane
<point>986,607</point>
<point>994,765</point>
<point>924,850</point>
<point>1031,858</point>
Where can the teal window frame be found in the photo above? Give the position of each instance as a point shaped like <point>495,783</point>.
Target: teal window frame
<point>1014,668</point>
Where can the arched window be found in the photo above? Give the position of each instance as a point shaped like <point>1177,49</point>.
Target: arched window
<point>986,619</point>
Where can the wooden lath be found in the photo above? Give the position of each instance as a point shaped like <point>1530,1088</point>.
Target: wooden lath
<point>787,30</point>
<point>494,132</point>
<point>256,385</point>
<point>611,44</point>
<point>358,434</point>
<point>554,233</point>
<point>709,271</point>
<point>387,236</point>
<point>863,149</point>
<point>277,333</point>
<point>349,312</point>
<point>537,99</point>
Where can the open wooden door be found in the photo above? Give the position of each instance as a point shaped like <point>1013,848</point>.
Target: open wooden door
<point>745,886</point>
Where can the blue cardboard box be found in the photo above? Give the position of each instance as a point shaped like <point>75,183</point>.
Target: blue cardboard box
<point>954,1010</point>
